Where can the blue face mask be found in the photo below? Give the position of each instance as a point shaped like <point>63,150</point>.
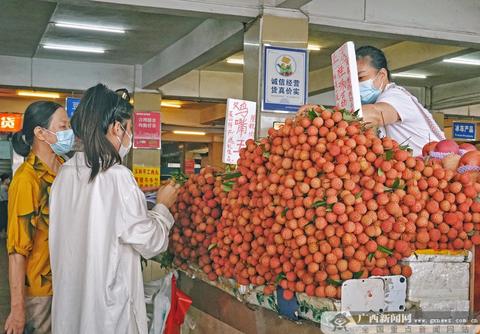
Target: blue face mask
<point>368,92</point>
<point>65,140</point>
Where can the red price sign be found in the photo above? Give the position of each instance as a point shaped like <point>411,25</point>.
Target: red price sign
<point>147,130</point>
<point>189,166</point>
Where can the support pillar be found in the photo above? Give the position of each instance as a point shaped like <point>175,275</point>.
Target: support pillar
<point>276,27</point>
<point>150,158</point>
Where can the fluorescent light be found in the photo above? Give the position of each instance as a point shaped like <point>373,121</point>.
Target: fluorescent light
<point>313,47</point>
<point>170,105</point>
<point>49,95</point>
<point>73,48</point>
<point>193,133</point>
<point>89,27</point>
<point>409,75</point>
<point>236,61</point>
<point>463,61</point>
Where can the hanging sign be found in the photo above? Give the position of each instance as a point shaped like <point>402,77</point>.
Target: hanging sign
<point>11,122</point>
<point>239,127</point>
<point>189,166</point>
<point>464,130</point>
<point>71,104</point>
<point>146,176</point>
<point>147,130</point>
<point>284,79</point>
<point>345,78</point>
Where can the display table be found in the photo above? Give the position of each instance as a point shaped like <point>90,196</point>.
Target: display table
<point>239,315</point>
<point>246,309</point>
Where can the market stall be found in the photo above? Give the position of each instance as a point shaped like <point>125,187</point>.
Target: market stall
<point>321,205</point>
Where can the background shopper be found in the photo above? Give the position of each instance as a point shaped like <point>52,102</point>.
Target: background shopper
<point>4,184</point>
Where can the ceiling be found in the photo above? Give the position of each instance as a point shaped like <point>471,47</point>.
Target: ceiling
<point>23,34</point>
<point>441,72</point>
<point>328,42</point>
<point>437,73</point>
<point>146,33</point>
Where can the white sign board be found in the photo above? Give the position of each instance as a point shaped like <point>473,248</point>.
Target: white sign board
<point>345,78</point>
<point>239,127</point>
<point>284,79</point>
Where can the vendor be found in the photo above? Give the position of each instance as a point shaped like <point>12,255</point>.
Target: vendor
<point>396,112</point>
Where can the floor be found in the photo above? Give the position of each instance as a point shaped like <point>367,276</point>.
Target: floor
<point>4,289</point>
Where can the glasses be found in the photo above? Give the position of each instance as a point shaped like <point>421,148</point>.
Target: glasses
<point>125,96</point>
<point>123,93</point>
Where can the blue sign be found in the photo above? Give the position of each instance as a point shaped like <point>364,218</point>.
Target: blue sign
<point>71,104</point>
<point>284,79</point>
<point>464,131</point>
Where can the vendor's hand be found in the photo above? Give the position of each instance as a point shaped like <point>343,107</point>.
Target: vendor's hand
<point>15,323</point>
<point>167,194</point>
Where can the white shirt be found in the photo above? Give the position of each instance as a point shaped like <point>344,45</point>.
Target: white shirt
<point>413,128</point>
<point>97,233</point>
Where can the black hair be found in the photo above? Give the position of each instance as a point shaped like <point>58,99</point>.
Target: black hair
<point>37,114</point>
<point>376,56</point>
<point>4,176</point>
<point>98,109</point>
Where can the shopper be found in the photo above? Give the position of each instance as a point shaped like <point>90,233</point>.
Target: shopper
<point>100,226</point>
<point>4,183</point>
<point>45,136</point>
<point>396,112</point>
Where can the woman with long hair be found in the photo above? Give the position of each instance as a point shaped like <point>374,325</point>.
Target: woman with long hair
<point>45,137</point>
<point>100,225</point>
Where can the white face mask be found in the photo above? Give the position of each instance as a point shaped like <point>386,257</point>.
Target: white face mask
<point>123,151</point>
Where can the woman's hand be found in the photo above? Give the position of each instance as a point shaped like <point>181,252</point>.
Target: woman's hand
<point>167,194</point>
<point>15,323</point>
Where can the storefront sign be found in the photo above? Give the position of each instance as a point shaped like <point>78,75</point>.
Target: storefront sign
<point>147,176</point>
<point>239,127</point>
<point>147,130</point>
<point>345,78</point>
<point>71,104</point>
<point>464,131</point>
<point>10,122</point>
<point>284,79</point>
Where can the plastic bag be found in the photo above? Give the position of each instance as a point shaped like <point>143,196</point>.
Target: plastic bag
<point>159,294</point>
<point>179,307</point>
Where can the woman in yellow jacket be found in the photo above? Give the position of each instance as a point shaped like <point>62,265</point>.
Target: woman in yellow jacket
<point>45,137</point>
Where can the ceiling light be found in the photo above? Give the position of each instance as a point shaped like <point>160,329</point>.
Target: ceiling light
<point>170,105</point>
<point>409,75</point>
<point>73,48</point>
<point>193,133</point>
<point>89,27</point>
<point>463,61</point>
<point>313,47</point>
<point>32,93</point>
<point>236,61</point>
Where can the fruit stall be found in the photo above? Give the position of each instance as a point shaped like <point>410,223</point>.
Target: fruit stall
<point>323,216</point>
